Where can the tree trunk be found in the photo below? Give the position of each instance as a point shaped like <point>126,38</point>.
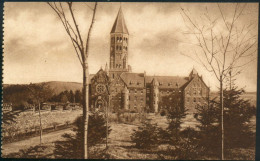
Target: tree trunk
<point>222,118</point>
<point>40,118</point>
<point>85,106</point>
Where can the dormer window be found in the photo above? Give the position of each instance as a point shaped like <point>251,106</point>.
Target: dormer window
<point>160,83</point>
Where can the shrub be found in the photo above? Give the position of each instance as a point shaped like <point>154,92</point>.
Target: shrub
<point>163,112</point>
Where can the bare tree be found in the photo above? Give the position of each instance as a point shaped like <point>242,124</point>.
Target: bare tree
<point>71,26</point>
<point>38,94</point>
<point>224,44</point>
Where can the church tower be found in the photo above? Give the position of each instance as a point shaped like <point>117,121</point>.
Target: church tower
<point>118,46</point>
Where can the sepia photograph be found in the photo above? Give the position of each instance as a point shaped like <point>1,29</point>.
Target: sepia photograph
<point>129,80</point>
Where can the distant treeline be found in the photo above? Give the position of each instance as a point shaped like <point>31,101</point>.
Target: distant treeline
<point>67,96</point>
<point>21,96</point>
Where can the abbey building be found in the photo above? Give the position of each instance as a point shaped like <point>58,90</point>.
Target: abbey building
<point>117,88</point>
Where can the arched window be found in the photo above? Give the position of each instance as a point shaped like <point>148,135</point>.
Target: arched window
<point>120,47</point>
<point>117,39</point>
<point>116,47</point>
<point>194,91</point>
<point>120,39</point>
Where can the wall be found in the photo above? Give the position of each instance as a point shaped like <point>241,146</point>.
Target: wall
<point>28,120</point>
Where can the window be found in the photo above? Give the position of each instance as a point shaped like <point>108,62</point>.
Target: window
<point>194,99</point>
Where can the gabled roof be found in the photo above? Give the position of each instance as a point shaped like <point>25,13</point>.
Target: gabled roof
<point>135,80</point>
<point>100,72</point>
<point>168,81</point>
<point>119,25</point>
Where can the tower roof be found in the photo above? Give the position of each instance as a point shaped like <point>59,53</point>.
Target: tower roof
<point>194,71</point>
<point>119,25</point>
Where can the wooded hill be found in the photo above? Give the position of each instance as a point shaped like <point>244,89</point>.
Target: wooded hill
<point>56,86</point>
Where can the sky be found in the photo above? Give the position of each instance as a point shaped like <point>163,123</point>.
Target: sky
<point>37,49</point>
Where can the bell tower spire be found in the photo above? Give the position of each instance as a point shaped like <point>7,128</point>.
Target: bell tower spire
<point>119,44</point>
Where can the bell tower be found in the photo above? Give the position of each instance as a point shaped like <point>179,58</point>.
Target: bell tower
<point>118,46</point>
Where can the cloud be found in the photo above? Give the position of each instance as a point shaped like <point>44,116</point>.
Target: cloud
<point>36,47</point>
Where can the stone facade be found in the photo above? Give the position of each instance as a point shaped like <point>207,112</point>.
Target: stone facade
<point>118,88</point>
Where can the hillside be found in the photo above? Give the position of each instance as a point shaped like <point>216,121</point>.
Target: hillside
<point>57,86</point>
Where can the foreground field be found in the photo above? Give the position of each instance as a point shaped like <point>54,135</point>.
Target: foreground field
<point>119,144</point>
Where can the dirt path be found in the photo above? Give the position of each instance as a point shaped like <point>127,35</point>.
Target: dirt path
<point>23,144</point>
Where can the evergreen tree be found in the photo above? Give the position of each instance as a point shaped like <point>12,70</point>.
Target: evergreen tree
<point>147,136</point>
<point>175,114</point>
<point>238,113</point>
<point>71,147</point>
<point>78,96</point>
<point>208,136</point>
<point>71,96</point>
